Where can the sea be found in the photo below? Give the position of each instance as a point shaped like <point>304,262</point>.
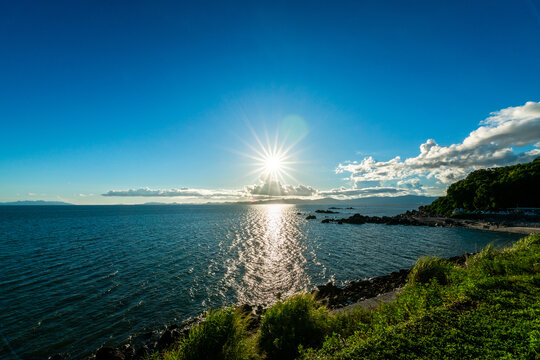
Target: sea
<point>74,278</point>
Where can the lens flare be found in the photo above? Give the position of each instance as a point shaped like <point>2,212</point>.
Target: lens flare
<point>274,160</point>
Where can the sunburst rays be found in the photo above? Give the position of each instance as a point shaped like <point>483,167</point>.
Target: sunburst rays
<point>273,159</point>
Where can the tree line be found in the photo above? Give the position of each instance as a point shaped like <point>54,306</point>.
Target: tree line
<point>493,189</point>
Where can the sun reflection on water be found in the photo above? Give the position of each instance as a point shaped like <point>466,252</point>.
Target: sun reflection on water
<point>266,257</point>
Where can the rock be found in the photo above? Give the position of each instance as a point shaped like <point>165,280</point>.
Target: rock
<point>327,291</point>
<point>311,217</point>
<point>109,353</point>
<point>169,338</point>
<point>129,351</point>
<point>326,221</point>
<point>326,212</point>
<point>142,353</point>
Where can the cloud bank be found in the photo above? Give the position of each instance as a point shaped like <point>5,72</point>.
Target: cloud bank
<point>269,188</point>
<point>491,144</point>
<point>181,192</point>
<point>275,188</point>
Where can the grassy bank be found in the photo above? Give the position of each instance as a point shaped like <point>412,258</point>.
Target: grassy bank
<point>488,308</point>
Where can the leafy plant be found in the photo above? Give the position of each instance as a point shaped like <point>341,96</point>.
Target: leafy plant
<point>428,269</point>
<point>221,336</point>
<point>299,320</point>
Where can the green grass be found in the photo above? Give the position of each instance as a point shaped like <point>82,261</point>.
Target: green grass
<point>221,336</point>
<point>487,309</point>
<point>298,321</point>
<point>428,269</point>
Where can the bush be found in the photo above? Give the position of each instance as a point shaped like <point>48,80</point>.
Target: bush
<point>299,320</point>
<point>221,336</point>
<point>427,269</point>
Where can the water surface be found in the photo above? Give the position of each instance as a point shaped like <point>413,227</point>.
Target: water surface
<point>77,277</point>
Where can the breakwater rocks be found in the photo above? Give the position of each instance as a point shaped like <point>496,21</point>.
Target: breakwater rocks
<point>410,218</point>
<point>511,222</point>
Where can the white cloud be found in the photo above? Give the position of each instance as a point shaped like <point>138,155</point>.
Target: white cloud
<point>181,192</point>
<point>491,145</point>
<point>264,189</point>
<point>343,192</point>
<point>413,183</point>
<point>275,188</point>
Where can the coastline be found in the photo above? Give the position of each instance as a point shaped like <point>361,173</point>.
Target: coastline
<point>365,293</point>
<point>519,224</point>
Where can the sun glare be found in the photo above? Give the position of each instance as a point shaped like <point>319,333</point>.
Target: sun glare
<point>273,160</point>
<point>272,164</point>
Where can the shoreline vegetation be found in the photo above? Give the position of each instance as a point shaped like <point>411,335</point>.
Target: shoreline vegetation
<point>483,305</point>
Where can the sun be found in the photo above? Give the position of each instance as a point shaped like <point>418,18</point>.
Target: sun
<point>273,164</point>
<point>273,159</point>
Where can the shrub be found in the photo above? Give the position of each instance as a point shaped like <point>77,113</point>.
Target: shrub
<point>527,242</point>
<point>221,336</point>
<point>299,320</point>
<point>427,269</point>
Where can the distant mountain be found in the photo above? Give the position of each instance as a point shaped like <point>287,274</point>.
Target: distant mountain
<point>35,202</point>
<point>374,200</point>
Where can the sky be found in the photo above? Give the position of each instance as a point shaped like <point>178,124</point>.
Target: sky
<point>133,101</point>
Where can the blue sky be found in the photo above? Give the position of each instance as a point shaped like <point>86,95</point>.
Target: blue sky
<point>153,96</point>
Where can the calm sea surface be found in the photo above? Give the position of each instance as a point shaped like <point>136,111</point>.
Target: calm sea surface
<point>76,277</point>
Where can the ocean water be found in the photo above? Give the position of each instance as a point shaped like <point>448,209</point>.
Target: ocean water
<point>76,277</point>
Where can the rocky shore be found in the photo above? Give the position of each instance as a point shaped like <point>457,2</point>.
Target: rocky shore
<point>421,217</point>
<point>335,297</point>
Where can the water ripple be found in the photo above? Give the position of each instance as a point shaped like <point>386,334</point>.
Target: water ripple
<point>75,278</point>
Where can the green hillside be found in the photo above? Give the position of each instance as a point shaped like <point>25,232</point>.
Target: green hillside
<point>493,189</point>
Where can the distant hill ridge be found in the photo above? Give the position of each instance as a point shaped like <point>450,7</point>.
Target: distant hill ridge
<point>35,202</point>
<point>493,189</point>
<point>374,200</point>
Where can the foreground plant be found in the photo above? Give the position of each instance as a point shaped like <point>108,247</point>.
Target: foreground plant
<point>299,320</point>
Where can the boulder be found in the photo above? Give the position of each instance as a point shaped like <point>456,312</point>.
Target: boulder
<point>129,351</point>
<point>169,338</point>
<point>109,353</point>
<point>142,353</point>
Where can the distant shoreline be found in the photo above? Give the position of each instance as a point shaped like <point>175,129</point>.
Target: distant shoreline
<point>520,224</point>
